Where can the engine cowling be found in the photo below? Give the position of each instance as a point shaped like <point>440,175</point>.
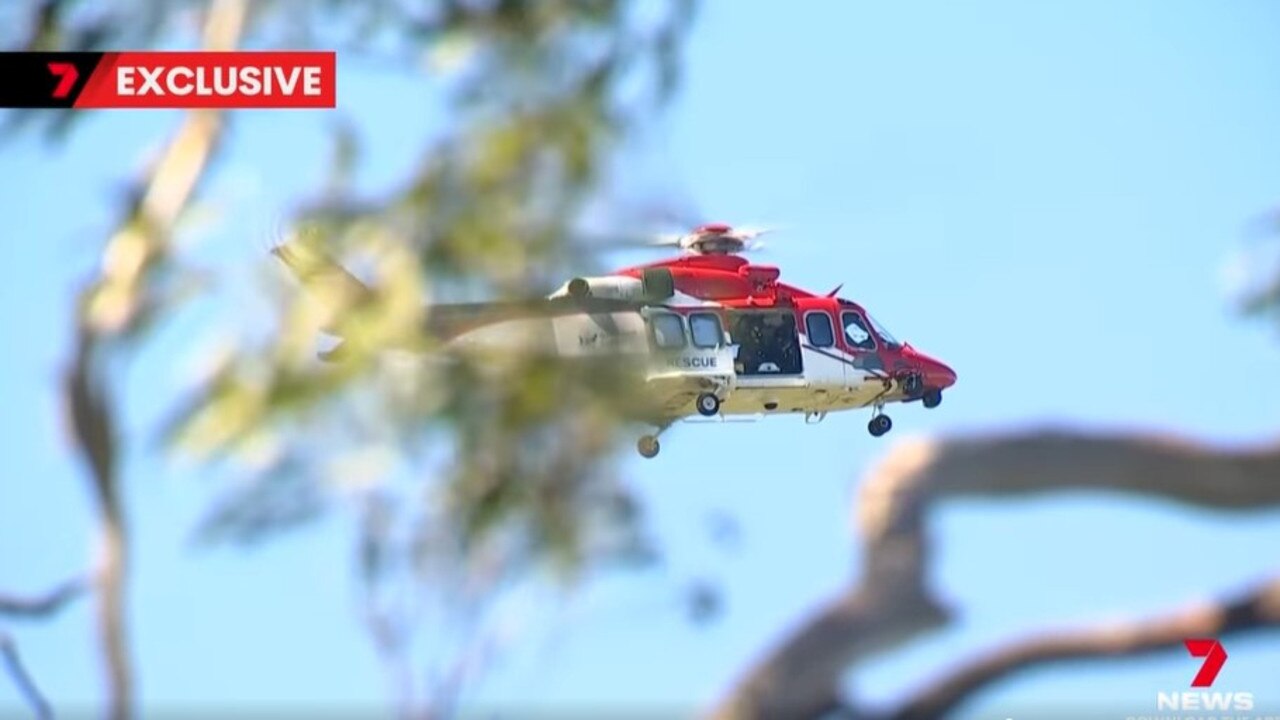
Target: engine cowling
<point>656,284</point>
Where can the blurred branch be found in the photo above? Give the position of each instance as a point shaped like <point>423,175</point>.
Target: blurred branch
<point>1257,609</point>
<point>1259,291</point>
<point>534,94</point>
<point>384,616</point>
<point>39,606</point>
<point>46,604</point>
<point>26,686</point>
<point>94,429</point>
<point>891,603</point>
<point>114,306</point>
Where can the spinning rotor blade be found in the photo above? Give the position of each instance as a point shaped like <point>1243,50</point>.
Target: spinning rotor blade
<point>749,234</point>
<point>728,238</point>
<point>752,232</point>
<point>611,241</point>
<point>665,240</point>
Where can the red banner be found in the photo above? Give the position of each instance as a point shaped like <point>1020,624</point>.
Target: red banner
<point>181,80</point>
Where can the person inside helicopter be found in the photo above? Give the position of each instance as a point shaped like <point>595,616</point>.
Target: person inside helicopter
<point>768,343</point>
<point>749,338</point>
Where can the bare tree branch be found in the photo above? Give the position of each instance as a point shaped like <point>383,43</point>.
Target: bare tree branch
<point>1256,609</point>
<point>113,306</point>
<point>93,426</point>
<point>43,605</point>
<point>13,665</point>
<point>890,603</point>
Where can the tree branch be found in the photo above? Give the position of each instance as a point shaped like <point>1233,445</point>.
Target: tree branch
<point>21,678</point>
<point>890,603</point>
<point>113,306</point>
<point>93,426</point>
<point>43,605</point>
<point>1256,609</point>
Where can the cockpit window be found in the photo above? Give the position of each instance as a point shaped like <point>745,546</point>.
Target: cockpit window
<point>884,334</point>
<point>856,333</point>
<point>668,331</point>
<point>818,327</point>
<point>706,330</point>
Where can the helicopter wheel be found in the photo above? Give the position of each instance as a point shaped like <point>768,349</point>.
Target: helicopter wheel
<point>932,399</point>
<point>708,404</point>
<point>879,425</point>
<point>648,446</point>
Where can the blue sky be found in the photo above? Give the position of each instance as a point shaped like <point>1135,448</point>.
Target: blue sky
<point>1044,195</point>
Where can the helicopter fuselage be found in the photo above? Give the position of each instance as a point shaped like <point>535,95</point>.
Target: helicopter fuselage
<point>842,358</point>
<point>718,325</point>
<point>708,333</point>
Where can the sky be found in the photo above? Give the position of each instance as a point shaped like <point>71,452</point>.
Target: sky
<point>1047,196</point>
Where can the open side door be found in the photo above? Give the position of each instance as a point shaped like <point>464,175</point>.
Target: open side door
<point>769,343</point>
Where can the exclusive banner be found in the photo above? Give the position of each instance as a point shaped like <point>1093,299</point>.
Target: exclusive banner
<point>176,80</point>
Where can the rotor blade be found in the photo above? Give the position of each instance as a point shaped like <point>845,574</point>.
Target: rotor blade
<point>609,241</point>
<point>666,240</point>
<point>751,232</point>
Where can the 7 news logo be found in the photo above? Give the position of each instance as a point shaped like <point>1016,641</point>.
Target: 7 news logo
<point>67,75</point>
<point>1215,656</point>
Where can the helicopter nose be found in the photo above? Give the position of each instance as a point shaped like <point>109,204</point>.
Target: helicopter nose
<point>944,376</point>
<point>937,374</point>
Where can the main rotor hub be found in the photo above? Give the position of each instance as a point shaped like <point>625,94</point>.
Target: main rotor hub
<point>716,245</point>
<point>714,239</point>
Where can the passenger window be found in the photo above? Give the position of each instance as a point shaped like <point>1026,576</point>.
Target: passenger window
<point>856,333</point>
<point>668,331</point>
<point>706,330</point>
<point>817,326</point>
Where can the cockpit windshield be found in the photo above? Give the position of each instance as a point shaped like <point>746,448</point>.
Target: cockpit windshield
<point>884,334</point>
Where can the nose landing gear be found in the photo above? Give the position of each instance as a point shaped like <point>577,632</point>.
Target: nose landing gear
<point>931,398</point>
<point>880,423</point>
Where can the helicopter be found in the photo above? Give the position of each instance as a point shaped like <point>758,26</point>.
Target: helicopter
<point>716,335</point>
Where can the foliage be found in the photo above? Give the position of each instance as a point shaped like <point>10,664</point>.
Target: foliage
<point>479,468</point>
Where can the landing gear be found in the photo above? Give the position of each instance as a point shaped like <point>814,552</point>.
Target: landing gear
<point>648,446</point>
<point>708,404</point>
<point>931,399</point>
<point>879,425</point>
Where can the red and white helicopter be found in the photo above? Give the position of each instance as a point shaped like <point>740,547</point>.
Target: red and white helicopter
<point>715,334</point>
